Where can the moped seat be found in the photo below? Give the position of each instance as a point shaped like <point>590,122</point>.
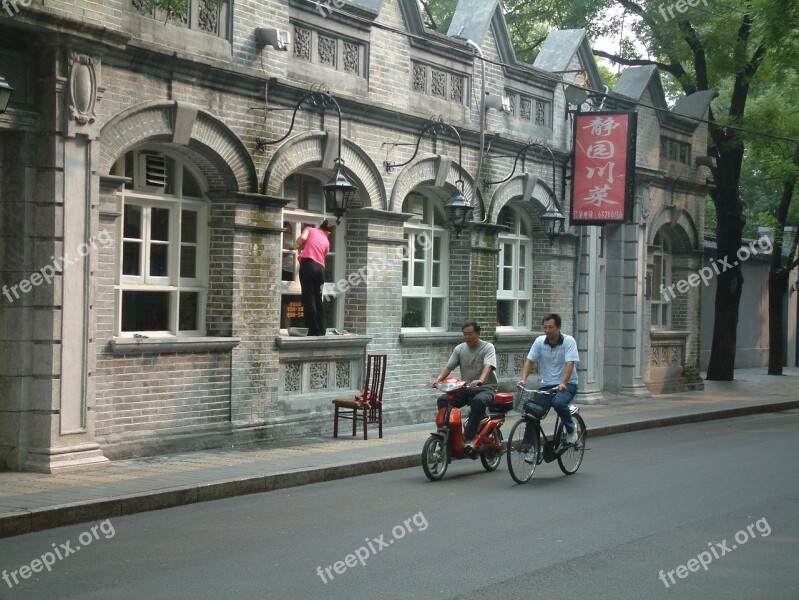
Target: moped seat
<point>503,402</point>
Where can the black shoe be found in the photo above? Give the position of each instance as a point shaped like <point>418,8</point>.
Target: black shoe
<point>468,446</point>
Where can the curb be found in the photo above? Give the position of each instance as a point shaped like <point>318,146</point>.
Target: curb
<point>30,521</point>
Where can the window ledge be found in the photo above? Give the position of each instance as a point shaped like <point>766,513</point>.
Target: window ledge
<point>423,338</point>
<point>312,348</point>
<point>171,345</point>
<point>665,334</point>
<point>515,335</point>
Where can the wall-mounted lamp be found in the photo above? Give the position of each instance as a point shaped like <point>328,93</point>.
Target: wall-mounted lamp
<point>271,36</point>
<point>498,102</point>
<point>5,94</point>
<point>457,209</point>
<point>552,219</point>
<point>340,190</point>
<point>577,92</point>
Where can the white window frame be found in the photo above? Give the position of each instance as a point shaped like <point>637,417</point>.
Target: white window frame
<point>299,219</point>
<point>521,289</point>
<point>148,198</point>
<point>423,227</point>
<point>660,306</point>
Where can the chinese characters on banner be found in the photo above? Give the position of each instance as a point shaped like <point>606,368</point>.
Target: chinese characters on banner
<point>604,167</point>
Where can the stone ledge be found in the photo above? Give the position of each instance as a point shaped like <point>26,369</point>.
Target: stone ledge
<point>172,345</point>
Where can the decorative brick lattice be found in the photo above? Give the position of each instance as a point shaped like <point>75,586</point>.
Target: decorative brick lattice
<point>352,58</point>
<point>327,51</point>
<point>540,113</point>
<point>456,88</point>
<point>513,99</point>
<point>302,43</point>
<point>438,83</point>
<point>292,380</point>
<point>319,376</point>
<point>503,364</point>
<point>342,374</point>
<point>525,108</point>
<point>209,16</point>
<point>419,78</point>
<point>518,362</point>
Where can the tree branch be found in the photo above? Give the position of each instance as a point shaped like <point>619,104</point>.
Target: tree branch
<point>675,70</point>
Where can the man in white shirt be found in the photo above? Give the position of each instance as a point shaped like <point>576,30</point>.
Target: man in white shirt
<point>557,357</point>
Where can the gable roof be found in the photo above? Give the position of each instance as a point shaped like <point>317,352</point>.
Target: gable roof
<point>561,47</point>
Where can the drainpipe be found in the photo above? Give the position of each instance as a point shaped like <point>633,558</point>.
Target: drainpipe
<point>482,126</point>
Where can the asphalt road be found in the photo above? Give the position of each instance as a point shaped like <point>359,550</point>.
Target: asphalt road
<point>714,506</point>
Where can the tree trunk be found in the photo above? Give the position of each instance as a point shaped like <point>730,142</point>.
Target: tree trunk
<point>730,279</point>
<point>777,288</point>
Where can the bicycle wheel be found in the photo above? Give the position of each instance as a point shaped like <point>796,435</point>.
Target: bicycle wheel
<point>522,452</point>
<point>572,457</point>
<point>491,459</point>
<point>434,458</point>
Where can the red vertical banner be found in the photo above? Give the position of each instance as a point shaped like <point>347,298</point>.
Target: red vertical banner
<point>604,167</point>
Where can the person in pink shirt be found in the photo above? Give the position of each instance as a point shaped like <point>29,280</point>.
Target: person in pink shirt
<point>314,245</point>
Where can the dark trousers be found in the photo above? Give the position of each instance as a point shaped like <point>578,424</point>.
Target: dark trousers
<point>312,277</point>
<point>477,399</point>
<point>561,404</point>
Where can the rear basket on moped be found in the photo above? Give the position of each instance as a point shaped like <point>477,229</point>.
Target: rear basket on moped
<point>503,402</point>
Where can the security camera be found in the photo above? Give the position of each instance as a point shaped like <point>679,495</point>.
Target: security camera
<point>498,102</point>
<point>271,36</point>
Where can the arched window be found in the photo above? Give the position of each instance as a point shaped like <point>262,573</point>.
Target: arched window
<point>661,280</point>
<point>162,256</point>
<point>307,208</point>
<point>514,280</point>
<point>425,265</point>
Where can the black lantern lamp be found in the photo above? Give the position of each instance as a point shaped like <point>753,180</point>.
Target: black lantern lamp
<point>5,94</point>
<point>458,210</point>
<point>340,190</point>
<point>552,219</point>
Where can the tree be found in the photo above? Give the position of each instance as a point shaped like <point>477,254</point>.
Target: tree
<point>774,163</point>
<point>703,47</point>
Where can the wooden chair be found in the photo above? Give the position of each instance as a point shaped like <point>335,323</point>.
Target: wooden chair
<point>367,406</point>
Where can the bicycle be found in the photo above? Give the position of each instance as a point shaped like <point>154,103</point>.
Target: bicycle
<point>524,449</point>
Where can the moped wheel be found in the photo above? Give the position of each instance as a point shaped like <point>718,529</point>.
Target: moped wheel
<point>522,453</point>
<point>434,458</point>
<point>572,457</point>
<point>492,459</point>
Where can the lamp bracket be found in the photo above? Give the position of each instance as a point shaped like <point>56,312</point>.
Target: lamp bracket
<point>436,126</point>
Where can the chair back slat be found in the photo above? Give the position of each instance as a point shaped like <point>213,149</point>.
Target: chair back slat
<point>374,380</point>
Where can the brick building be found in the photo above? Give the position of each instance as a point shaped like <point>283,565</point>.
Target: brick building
<point>144,206</point>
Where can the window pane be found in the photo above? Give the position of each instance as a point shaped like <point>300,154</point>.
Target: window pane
<point>436,267</point>
<point>145,311</point>
<point>132,218</point>
<point>159,224</point>
<point>188,261</point>
<point>405,272</point>
<point>504,308</point>
<point>169,188</point>
<point>191,186</point>
<point>131,258</point>
<point>437,312</point>
<point>507,278</point>
<point>187,311</point>
<point>159,260</point>
<point>313,190</point>
<point>188,226</point>
<point>522,312</point>
<point>413,310</point>
<point>418,273</point>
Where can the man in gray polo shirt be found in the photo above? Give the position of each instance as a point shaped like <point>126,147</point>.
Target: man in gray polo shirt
<point>477,361</point>
<point>557,358</point>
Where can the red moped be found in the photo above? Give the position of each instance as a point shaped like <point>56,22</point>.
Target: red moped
<point>446,442</point>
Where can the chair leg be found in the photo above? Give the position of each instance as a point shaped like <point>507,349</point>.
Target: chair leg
<point>354,421</point>
<point>380,423</point>
<point>365,421</point>
<point>335,422</point>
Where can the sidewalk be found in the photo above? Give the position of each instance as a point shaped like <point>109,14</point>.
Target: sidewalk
<point>34,502</point>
